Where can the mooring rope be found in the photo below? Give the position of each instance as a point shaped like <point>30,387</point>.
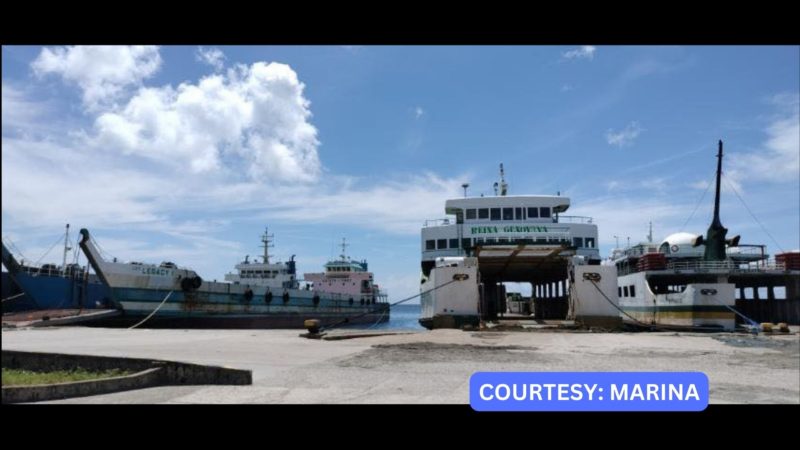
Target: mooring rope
<point>154,311</point>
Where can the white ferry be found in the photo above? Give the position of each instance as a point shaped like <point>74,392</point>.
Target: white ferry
<point>520,238</point>
<point>688,281</point>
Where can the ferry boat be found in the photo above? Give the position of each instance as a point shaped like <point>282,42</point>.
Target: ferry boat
<point>50,286</point>
<point>257,295</point>
<point>494,239</point>
<point>688,281</point>
<point>348,279</point>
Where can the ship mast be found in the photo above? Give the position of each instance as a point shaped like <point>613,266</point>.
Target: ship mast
<point>503,185</point>
<point>67,248</point>
<point>715,237</point>
<point>344,245</point>
<point>267,240</point>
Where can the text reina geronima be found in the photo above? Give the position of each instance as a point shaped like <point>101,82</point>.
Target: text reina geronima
<point>582,392</point>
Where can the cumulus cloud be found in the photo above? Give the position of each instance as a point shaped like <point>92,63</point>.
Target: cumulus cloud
<point>102,72</point>
<point>254,117</point>
<point>418,112</point>
<point>211,56</point>
<point>624,137</point>
<point>582,52</point>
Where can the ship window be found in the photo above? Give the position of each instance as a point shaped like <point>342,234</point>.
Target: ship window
<point>483,213</point>
<point>533,213</point>
<point>490,240</point>
<point>471,214</point>
<point>589,242</point>
<point>544,211</point>
<point>508,213</point>
<point>619,291</point>
<point>633,291</point>
<point>502,240</point>
<point>453,243</point>
<point>577,242</point>
<point>625,291</point>
<point>430,244</point>
<point>518,212</point>
<point>441,244</point>
<point>495,213</point>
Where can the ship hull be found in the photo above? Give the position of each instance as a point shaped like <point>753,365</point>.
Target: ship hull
<point>199,309</point>
<point>50,292</point>
<point>699,306</point>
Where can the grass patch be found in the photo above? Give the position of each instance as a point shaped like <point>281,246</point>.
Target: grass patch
<point>17,377</point>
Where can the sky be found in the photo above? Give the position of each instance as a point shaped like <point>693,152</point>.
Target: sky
<point>186,153</point>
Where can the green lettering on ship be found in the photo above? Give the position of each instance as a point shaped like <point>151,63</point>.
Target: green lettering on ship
<point>509,229</point>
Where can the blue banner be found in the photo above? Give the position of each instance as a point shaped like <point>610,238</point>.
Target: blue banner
<point>588,391</point>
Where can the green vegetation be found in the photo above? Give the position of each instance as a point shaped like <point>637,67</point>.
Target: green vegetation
<point>17,377</point>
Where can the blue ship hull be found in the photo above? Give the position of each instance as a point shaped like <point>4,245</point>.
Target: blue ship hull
<point>52,292</point>
<point>198,309</point>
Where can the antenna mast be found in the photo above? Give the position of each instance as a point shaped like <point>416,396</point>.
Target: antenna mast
<point>267,239</point>
<point>650,234</point>
<point>344,244</point>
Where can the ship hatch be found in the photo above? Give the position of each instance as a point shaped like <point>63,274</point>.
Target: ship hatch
<point>543,266</point>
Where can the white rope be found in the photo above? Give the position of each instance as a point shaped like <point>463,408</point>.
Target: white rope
<point>154,311</point>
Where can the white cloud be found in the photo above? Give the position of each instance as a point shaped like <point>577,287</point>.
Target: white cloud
<point>624,137</point>
<point>385,206</point>
<point>778,159</point>
<point>211,56</point>
<point>418,112</point>
<point>18,111</point>
<point>567,88</point>
<point>629,217</point>
<point>582,52</point>
<point>253,121</point>
<point>102,72</point>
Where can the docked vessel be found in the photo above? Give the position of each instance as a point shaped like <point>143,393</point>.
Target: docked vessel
<point>29,287</point>
<point>691,281</point>
<point>502,238</point>
<point>257,295</point>
<point>348,279</point>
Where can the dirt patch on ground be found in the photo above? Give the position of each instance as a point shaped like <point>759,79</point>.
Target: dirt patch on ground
<point>428,352</point>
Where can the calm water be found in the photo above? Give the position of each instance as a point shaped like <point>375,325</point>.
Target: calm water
<point>401,317</point>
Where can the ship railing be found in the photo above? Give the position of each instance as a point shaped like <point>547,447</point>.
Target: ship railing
<point>725,265</point>
<point>438,222</point>
<point>575,219</point>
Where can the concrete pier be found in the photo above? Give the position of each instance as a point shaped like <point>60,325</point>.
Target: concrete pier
<point>425,367</point>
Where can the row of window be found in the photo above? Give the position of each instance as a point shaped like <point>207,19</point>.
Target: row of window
<point>271,273</point>
<point>627,291</point>
<point>517,213</point>
<point>444,244</point>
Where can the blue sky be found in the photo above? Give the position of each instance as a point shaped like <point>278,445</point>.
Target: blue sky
<point>185,153</point>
